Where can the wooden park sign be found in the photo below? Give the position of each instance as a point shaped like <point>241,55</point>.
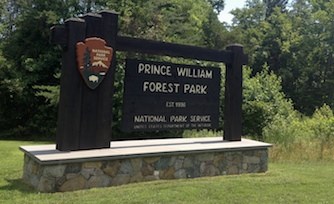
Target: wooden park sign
<point>157,96</point>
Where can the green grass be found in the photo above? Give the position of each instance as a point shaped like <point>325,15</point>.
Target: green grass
<point>285,182</point>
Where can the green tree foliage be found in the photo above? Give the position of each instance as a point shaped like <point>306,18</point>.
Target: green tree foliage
<point>172,21</point>
<point>266,38</point>
<point>308,76</point>
<point>29,63</point>
<point>263,102</point>
<point>24,58</point>
<point>271,5</point>
<point>27,60</point>
<point>296,43</point>
<point>217,5</point>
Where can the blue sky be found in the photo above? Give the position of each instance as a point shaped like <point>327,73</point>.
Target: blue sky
<point>225,16</point>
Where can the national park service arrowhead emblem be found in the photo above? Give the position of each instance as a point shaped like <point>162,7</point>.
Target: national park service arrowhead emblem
<point>94,59</point>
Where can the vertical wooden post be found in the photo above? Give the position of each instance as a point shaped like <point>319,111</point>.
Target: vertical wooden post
<point>89,118</point>
<point>85,115</point>
<point>69,113</point>
<point>233,94</point>
<point>109,33</point>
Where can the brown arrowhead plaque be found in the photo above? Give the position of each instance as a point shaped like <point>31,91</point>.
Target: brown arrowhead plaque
<point>94,59</point>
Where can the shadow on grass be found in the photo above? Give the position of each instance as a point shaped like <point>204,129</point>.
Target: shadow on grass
<point>18,185</point>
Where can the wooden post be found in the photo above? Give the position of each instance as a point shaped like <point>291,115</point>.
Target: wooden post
<point>106,89</point>
<point>85,115</point>
<point>233,94</point>
<point>69,113</point>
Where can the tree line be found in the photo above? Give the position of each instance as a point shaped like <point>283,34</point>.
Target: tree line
<point>295,39</point>
<point>289,43</point>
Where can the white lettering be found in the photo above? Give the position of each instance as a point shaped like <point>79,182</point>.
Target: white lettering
<point>195,88</point>
<point>160,87</point>
<point>194,73</point>
<point>200,118</point>
<point>180,104</point>
<point>175,125</point>
<point>169,104</point>
<point>154,69</point>
<point>178,118</point>
<point>101,51</point>
<point>149,118</point>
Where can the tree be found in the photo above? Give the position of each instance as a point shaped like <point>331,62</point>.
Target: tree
<point>296,44</point>
<point>272,4</point>
<point>264,101</point>
<point>217,5</point>
<point>309,74</point>
<point>28,61</point>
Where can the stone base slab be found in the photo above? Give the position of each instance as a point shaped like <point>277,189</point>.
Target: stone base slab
<point>50,170</point>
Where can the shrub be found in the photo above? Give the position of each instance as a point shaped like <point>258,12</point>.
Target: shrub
<point>264,102</point>
<point>322,126</point>
<point>302,138</point>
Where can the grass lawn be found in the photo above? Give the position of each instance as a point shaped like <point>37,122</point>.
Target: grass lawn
<point>288,182</point>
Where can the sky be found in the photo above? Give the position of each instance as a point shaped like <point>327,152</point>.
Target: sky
<point>225,16</point>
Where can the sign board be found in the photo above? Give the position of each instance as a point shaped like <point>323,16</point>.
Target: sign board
<point>158,95</point>
<point>164,96</point>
